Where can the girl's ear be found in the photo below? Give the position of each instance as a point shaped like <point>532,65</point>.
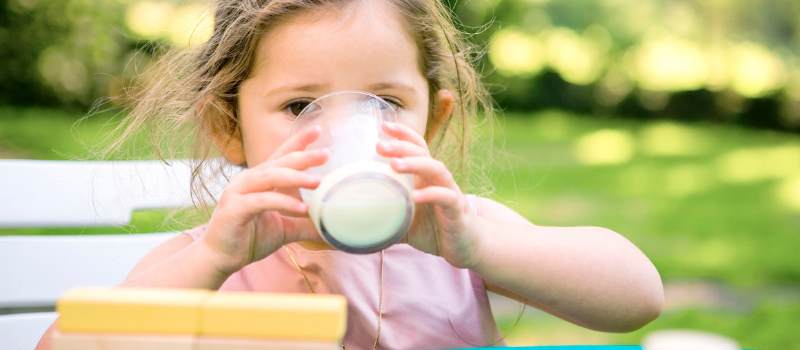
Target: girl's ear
<point>442,109</point>
<point>231,146</point>
<point>218,118</point>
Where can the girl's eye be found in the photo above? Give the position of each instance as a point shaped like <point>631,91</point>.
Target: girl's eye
<point>295,107</point>
<point>392,102</point>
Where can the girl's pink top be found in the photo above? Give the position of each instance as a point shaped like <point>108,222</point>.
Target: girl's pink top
<point>427,303</point>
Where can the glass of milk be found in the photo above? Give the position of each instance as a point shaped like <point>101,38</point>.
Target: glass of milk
<point>361,205</point>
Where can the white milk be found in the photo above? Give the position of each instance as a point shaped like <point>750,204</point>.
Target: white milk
<point>361,212</point>
<point>364,223</point>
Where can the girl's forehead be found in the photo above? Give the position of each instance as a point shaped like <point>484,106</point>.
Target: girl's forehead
<point>369,33</point>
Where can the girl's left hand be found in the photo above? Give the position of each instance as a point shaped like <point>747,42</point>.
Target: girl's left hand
<point>444,224</point>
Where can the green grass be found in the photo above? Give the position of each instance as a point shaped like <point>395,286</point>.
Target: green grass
<point>37,133</point>
<point>715,204</point>
<point>682,210</point>
<point>770,326</point>
<point>705,213</point>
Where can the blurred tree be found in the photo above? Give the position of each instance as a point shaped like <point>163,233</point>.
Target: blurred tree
<point>724,60</point>
<point>60,52</point>
<point>709,59</point>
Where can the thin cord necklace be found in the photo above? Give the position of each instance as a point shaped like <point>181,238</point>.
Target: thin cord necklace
<point>380,296</point>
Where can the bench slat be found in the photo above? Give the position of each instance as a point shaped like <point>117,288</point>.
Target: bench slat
<point>36,270</point>
<point>36,193</point>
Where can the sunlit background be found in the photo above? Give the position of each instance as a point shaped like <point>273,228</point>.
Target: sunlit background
<point>673,123</point>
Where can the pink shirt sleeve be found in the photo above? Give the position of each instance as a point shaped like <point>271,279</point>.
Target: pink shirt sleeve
<point>472,200</point>
<point>196,232</point>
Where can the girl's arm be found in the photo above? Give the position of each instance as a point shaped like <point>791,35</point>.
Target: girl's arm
<point>246,226</point>
<point>590,276</point>
<point>179,262</point>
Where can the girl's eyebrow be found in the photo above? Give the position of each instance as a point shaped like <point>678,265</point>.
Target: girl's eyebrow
<point>292,88</point>
<point>387,86</point>
<point>319,87</point>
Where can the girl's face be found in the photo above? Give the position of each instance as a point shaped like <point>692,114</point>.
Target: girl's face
<point>360,47</point>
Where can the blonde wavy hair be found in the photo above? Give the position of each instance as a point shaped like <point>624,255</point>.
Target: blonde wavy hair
<point>190,94</point>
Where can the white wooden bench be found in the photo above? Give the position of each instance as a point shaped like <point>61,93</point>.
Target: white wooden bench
<point>36,270</point>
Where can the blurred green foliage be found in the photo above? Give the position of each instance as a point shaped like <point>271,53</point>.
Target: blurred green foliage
<point>727,61</point>
<point>61,53</point>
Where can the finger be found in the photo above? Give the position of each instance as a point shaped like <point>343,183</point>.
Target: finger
<point>404,133</point>
<point>432,170</point>
<point>302,160</point>
<point>256,203</point>
<point>298,142</point>
<point>299,229</point>
<point>396,148</point>
<point>445,198</point>
<point>293,192</point>
<point>268,179</point>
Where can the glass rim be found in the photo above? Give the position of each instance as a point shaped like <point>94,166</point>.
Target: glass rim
<point>355,92</point>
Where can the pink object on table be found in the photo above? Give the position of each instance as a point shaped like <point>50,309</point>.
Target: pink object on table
<point>427,303</point>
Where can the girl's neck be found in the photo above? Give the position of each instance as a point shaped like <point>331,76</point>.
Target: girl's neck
<point>309,245</point>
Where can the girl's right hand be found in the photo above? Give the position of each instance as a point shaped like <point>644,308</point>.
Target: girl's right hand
<point>246,225</point>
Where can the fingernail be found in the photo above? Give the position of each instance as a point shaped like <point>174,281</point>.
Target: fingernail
<point>391,126</point>
<point>400,164</point>
<point>386,146</point>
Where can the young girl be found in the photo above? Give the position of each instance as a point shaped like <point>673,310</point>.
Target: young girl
<point>267,60</point>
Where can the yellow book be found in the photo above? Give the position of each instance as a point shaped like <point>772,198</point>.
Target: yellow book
<point>282,316</point>
<point>131,310</point>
